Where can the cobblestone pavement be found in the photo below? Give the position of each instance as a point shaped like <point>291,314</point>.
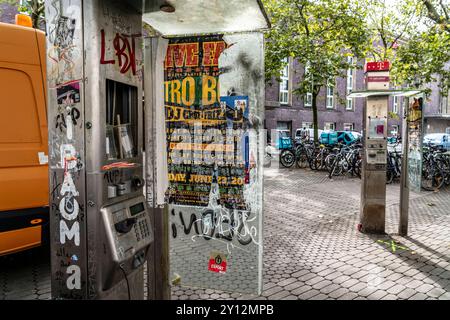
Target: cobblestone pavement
<point>312,249</point>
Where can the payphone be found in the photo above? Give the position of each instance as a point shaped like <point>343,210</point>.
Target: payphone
<point>100,224</point>
<point>373,186</point>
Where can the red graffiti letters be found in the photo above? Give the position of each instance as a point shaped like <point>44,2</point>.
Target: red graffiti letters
<point>124,50</point>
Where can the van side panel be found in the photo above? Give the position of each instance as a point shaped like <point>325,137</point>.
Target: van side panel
<point>23,138</point>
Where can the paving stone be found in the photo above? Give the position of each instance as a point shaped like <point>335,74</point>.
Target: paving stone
<point>329,288</point>
<point>424,288</point>
<point>294,285</point>
<point>314,280</point>
<point>285,282</point>
<point>419,296</point>
<point>309,294</point>
<point>445,296</point>
<point>377,295</point>
<point>407,293</point>
<point>396,289</point>
<point>338,293</point>
<point>341,279</point>
<point>301,290</point>
<point>272,291</point>
<point>279,295</point>
<point>435,292</point>
<point>320,296</point>
<point>348,296</point>
<point>389,297</point>
<point>357,287</point>
<point>414,284</point>
<point>321,284</point>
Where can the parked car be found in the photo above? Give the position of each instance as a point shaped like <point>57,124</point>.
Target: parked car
<point>441,140</point>
<point>305,134</point>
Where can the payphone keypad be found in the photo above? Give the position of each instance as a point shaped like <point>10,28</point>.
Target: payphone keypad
<point>128,228</point>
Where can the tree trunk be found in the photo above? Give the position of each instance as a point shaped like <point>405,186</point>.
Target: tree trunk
<point>315,93</point>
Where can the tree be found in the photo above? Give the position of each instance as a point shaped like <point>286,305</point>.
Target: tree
<point>425,57</point>
<point>36,10</point>
<point>320,34</point>
<point>389,25</point>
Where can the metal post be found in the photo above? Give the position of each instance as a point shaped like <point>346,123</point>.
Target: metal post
<point>404,190</point>
<point>158,264</point>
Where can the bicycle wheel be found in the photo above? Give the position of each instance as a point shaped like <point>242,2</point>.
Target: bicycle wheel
<point>389,176</point>
<point>432,178</point>
<point>287,158</point>
<point>357,168</point>
<point>301,158</point>
<point>329,161</point>
<point>336,168</point>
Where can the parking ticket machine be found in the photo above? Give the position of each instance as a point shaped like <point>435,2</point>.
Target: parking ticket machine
<point>100,226</point>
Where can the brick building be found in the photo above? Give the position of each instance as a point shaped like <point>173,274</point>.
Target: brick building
<point>287,111</point>
<point>437,111</point>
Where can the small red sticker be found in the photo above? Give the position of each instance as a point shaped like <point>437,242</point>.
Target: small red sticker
<point>217,262</point>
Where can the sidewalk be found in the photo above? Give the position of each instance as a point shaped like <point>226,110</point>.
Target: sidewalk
<point>312,249</point>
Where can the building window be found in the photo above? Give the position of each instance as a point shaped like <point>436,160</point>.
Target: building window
<point>330,126</point>
<point>395,104</point>
<point>349,126</point>
<point>308,96</point>
<point>445,104</point>
<point>394,131</point>
<point>284,84</point>
<point>330,96</point>
<point>350,71</point>
<point>307,125</point>
<point>308,99</point>
<point>285,126</point>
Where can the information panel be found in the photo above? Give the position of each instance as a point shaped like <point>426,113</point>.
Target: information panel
<point>214,110</point>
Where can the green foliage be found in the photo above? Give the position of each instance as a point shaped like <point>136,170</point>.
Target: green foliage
<point>36,9</point>
<point>318,33</point>
<point>425,57</point>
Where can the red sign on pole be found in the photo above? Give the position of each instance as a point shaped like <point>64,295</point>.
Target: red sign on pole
<point>378,66</point>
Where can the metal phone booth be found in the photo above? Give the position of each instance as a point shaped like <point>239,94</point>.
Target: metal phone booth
<point>100,226</point>
<point>204,78</point>
<point>373,184</point>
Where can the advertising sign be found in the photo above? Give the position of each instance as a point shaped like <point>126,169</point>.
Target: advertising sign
<point>211,97</point>
<point>414,122</point>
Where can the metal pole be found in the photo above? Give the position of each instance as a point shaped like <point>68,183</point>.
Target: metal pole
<point>158,262</point>
<point>404,189</point>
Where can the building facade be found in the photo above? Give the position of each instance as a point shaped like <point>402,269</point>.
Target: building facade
<point>288,111</point>
<point>437,111</point>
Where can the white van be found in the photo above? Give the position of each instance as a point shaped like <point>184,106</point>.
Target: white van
<point>301,134</point>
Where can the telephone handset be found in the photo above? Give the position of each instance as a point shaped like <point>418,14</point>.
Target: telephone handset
<point>125,226</point>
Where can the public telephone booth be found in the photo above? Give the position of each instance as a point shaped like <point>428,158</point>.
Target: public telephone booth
<point>199,81</point>
<point>373,186</point>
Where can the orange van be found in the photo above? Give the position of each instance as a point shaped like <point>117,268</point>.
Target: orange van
<point>24,210</point>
